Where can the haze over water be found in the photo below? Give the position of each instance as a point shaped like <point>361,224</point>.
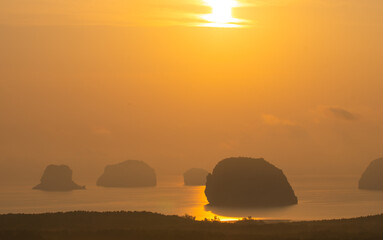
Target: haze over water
<point>320,197</point>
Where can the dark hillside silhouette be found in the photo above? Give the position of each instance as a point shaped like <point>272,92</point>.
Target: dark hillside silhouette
<point>145,225</point>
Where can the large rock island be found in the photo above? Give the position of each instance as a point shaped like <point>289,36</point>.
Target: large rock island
<point>248,182</point>
<point>372,178</point>
<point>195,177</point>
<point>127,174</point>
<point>57,178</point>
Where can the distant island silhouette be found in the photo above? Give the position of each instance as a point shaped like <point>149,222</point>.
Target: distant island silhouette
<point>372,178</point>
<point>248,182</point>
<point>57,178</point>
<point>195,177</point>
<point>130,173</point>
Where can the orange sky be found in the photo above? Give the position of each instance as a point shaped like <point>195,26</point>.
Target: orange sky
<point>88,83</point>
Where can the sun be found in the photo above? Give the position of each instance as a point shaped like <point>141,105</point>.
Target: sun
<point>221,13</point>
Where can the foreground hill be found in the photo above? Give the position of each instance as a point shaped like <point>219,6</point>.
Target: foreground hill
<point>145,225</point>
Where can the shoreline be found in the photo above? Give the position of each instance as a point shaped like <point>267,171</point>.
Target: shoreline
<point>186,216</point>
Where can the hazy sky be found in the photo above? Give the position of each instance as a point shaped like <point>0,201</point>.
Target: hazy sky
<point>89,83</point>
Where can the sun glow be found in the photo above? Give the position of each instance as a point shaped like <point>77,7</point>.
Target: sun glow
<point>221,15</point>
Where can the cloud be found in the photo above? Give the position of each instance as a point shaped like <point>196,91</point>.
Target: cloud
<point>273,120</point>
<point>335,112</point>
<point>341,113</point>
<point>284,127</point>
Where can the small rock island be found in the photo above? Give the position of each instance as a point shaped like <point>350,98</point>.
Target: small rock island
<point>195,177</point>
<point>372,178</point>
<point>128,174</point>
<point>248,182</point>
<point>58,178</point>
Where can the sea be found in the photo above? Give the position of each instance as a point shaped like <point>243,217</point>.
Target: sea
<point>320,197</point>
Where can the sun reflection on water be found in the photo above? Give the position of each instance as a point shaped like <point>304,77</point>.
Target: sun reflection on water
<point>200,211</point>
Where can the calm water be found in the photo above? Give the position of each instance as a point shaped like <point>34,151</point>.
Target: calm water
<point>320,197</point>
